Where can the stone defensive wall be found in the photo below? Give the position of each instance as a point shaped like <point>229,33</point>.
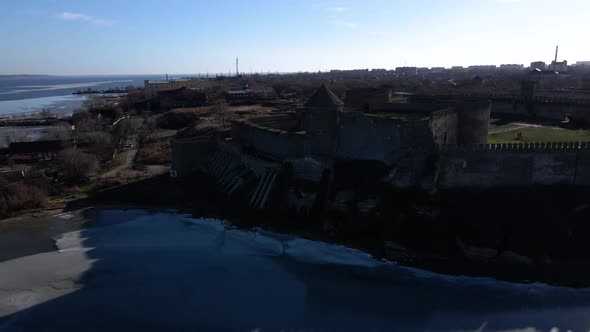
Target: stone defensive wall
<point>518,147</point>
<point>505,97</point>
<point>373,137</point>
<point>514,165</point>
<point>555,108</point>
<point>282,121</point>
<point>191,154</point>
<point>271,142</point>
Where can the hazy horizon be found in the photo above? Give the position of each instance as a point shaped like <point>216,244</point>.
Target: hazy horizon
<point>134,38</point>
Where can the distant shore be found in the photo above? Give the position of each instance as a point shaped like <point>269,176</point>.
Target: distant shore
<point>23,75</point>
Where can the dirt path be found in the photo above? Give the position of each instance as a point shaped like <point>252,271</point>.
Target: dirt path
<point>129,158</point>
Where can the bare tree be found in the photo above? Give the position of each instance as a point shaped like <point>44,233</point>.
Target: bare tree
<point>76,166</point>
<point>221,112</point>
<point>95,103</point>
<point>20,136</point>
<point>45,113</point>
<point>86,125</point>
<point>146,131</point>
<point>60,132</point>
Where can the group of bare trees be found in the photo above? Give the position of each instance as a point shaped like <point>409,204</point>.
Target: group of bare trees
<point>18,196</point>
<point>76,166</point>
<point>222,113</point>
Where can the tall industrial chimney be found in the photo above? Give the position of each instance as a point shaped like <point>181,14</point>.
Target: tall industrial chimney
<point>556,51</point>
<point>237,68</point>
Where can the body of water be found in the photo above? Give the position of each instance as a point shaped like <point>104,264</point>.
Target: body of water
<point>26,95</point>
<point>167,271</point>
<point>21,133</point>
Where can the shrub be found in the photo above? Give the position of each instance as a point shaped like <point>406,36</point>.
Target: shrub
<point>154,154</point>
<point>21,196</point>
<point>146,131</point>
<point>176,119</point>
<point>105,184</point>
<point>76,166</point>
<point>61,132</point>
<point>96,138</point>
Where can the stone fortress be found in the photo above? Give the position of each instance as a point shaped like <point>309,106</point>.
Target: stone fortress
<point>298,158</point>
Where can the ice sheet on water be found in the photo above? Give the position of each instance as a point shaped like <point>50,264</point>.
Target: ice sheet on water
<point>239,242</point>
<point>69,241</point>
<point>180,231</point>
<point>324,253</point>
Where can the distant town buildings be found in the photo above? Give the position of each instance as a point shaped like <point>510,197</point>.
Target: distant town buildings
<point>486,68</point>
<point>407,71</point>
<point>249,95</point>
<point>538,65</point>
<point>559,66</point>
<point>152,88</point>
<point>512,67</point>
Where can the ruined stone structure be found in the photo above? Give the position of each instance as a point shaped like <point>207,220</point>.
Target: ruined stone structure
<point>367,99</point>
<point>553,108</point>
<point>321,122</point>
<point>291,158</point>
<point>190,154</point>
<point>384,134</point>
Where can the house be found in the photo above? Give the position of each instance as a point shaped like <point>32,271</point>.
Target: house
<point>250,95</point>
<point>33,151</point>
<point>182,97</point>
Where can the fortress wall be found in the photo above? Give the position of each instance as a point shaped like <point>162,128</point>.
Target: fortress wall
<point>497,165</point>
<point>507,107</point>
<point>272,142</point>
<point>284,121</point>
<point>583,169</point>
<point>547,109</point>
<point>189,155</point>
<point>558,111</point>
<point>367,99</point>
<point>445,127</point>
<point>473,121</point>
<point>367,137</point>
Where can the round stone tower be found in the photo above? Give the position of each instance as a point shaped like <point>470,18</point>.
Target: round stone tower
<point>473,121</point>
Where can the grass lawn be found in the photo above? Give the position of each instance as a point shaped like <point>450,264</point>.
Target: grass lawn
<point>541,134</point>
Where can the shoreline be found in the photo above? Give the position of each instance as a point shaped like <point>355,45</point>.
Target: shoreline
<point>205,202</point>
<point>199,198</point>
<point>420,264</point>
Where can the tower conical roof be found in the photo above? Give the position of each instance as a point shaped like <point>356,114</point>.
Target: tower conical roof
<point>324,97</point>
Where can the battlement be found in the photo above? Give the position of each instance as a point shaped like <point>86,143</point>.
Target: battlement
<point>270,141</point>
<point>530,147</point>
<point>245,124</point>
<point>508,97</point>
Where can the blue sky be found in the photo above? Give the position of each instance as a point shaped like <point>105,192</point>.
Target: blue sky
<point>193,36</point>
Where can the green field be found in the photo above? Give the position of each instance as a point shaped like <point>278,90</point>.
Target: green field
<point>541,134</point>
